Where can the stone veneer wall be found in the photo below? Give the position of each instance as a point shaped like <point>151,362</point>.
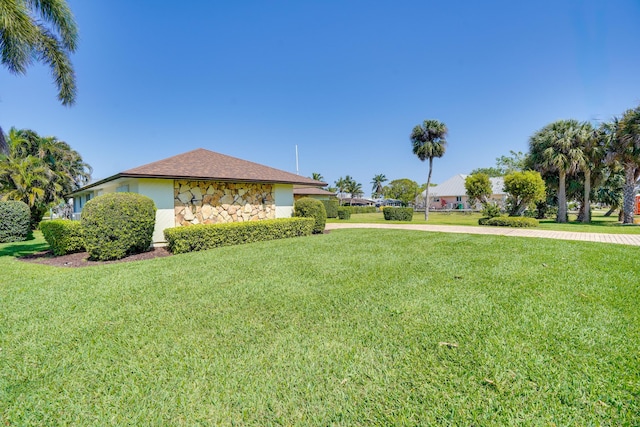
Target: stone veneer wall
<point>210,202</point>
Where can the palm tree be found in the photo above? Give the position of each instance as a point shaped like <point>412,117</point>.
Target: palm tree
<point>341,184</point>
<point>44,168</point>
<point>354,188</point>
<point>429,141</point>
<point>317,176</point>
<point>624,148</point>
<point>44,30</point>
<point>377,182</point>
<point>591,143</point>
<point>555,148</point>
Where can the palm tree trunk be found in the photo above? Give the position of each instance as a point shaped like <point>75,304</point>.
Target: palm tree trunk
<point>586,218</point>
<point>562,198</point>
<point>426,199</point>
<point>629,193</point>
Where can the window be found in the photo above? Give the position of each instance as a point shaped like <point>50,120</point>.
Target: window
<point>123,189</point>
<point>458,198</point>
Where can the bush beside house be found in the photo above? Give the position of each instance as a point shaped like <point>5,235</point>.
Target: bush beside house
<point>118,224</point>
<point>311,208</point>
<point>208,236</point>
<point>15,220</point>
<point>63,236</point>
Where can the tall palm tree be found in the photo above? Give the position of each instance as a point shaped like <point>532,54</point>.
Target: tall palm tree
<point>377,182</point>
<point>44,30</point>
<point>591,143</point>
<point>429,141</point>
<point>555,148</point>
<point>624,147</point>
<point>341,184</point>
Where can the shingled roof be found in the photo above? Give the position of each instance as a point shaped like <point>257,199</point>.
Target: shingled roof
<point>202,164</point>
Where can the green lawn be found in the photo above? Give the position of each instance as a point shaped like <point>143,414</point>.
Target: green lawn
<point>599,223</point>
<point>347,328</point>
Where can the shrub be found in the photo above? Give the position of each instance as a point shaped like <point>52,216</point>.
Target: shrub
<point>15,220</point>
<point>208,236</point>
<point>63,236</point>
<point>490,210</point>
<point>509,221</point>
<point>344,213</point>
<point>331,206</point>
<point>311,208</point>
<point>398,214</point>
<point>361,209</point>
<point>118,224</point>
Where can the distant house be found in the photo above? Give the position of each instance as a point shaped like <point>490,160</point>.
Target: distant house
<point>451,194</point>
<point>300,191</point>
<point>203,187</point>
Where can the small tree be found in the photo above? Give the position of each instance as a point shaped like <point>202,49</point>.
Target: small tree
<point>478,187</point>
<point>524,188</point>
<point>403,189</point>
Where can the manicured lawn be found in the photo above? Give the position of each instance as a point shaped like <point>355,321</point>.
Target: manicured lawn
<point>599,223</point>
<point>348,328</point>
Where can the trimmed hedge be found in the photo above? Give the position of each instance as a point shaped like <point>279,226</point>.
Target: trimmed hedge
<point>63,236</point>
<point>344,213</point>
<point>118,224</point>
<point>311,208</point>
<point>361,209</point>
<point>208,236</point>
<point>331,206</point>
<point>15,221</point>
<point>509,221</point>
<point>398,214</point>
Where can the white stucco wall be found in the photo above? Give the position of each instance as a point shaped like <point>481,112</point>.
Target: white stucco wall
<point>161,192</point>
<point>284,200</point>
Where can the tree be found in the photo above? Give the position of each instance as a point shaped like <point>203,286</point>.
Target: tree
<point>377,181</point>
<point>341,184</point>
<point>42,29</point>
<point>555,149</point>
<point>611,191</point>
<point>516,161</point>
<point>354,188</point>
<point>405,190</point>
<point>45,30</point>
<point>40,171</point>
<point>317,176</point>
<point>429,141</point>
<point>524,188</point>
<point>623,147</point>
<point>591,142</point>
<point>478,187</point>
<point>492,172</point>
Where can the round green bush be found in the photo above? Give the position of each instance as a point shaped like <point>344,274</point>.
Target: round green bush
<point>397,214</point>
<point>344,213</point>
<point>311,208</point>
<point>118,224</point>
<point>63,236</point>
<point>331,206</point>
<point>15,221</point>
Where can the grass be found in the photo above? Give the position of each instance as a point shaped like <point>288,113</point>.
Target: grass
<point>356,327</point>
<point>599,223</point>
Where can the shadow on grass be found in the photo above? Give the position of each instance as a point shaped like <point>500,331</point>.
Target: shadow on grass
<point>18,249</point>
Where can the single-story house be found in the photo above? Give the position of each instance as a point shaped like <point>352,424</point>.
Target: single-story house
<point>300,191</point>
<point>451,194</point>
<point>203,187</point>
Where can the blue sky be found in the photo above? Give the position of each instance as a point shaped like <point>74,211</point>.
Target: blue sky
<point>346,81</point>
